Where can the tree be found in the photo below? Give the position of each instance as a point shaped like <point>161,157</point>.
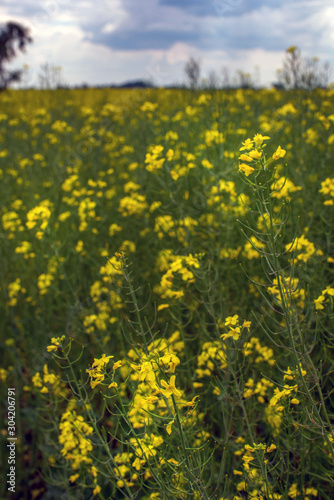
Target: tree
<point>193,70</point>
<point>226,79</point>
<point>299,72</point>
<point>50,77</point>
<point>244,80</point>
<point>13,37</point>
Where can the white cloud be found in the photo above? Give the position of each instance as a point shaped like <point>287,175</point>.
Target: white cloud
<point>180,52</point>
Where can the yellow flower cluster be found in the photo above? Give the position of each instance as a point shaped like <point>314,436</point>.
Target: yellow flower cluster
<point>231,324</point>
<point>14,289</point>
<point>38,218</point>
<point>303,249</point>
<point>25,248</point>
<point>166,225</point>
<point>153,158</point>
<point>105,300</point>
<point>212,357</point>
<point>280,394</point>
<point>253,483</point>
<point>97,371</point>
<point>45,280</point>
<point>179,270</point>
<point>133,205</point>
<point>259,353</point>
<point>11,222</point>
<point>289,287</point>
<point>154,393</point>
<point>306,494</point>
<point>76,447</point>
<point>323,298</point>
<point>283,188</point>
<point>47,382</point>
<point>254,156</point>
<point>327,188</point>
<point>259,389</point>
<point>225,196</point>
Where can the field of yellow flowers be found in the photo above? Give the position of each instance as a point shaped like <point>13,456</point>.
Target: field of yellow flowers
<point>166,294</point>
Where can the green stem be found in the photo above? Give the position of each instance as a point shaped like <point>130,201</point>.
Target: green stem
<point>93,423</point>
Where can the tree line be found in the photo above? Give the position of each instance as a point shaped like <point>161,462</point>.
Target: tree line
<point>298,73</point>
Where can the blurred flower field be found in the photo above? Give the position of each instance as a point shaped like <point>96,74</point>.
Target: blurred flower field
<point>167,293</point>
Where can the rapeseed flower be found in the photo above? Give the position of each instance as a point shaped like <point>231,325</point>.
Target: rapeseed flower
<point>55,343</point>
<point>95,372</point>
<point>259,138</point>
<point>170,388</point>
<point>246,169</point>
<point>279,153</point>
<point>248,144</point>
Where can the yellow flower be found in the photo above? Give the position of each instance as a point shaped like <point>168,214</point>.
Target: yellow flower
<point>234,333</point>
<point>55,343</point>
<point>146,372</point>
<point>318,302</point>
<point>246,324</point>
<point>258,139</point>
<point>311,491</point>
<point>171,360</point>
<point>279,153</point>
<point>96,377</point>
<point>246,169</point>
<point>289,374</point>
<point>244,157</point>
<point>232,320</point>
<point>170,388</point>
<point>93,471</point>
<point>255,154</point>
<point>169,427</point>
<point>248,144</point>
<point>206,163</point>
<point>51,348</point>
<point>113,384</point>
<point>192,402</point>
<point>173,461</point>
<point>74,477</point>
<point>293,491</point>
<point>96,490</point>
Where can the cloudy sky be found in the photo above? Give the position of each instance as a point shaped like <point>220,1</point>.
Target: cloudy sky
<point>112,41</point>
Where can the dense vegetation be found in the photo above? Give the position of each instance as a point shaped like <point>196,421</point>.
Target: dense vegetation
<point>167,291</point>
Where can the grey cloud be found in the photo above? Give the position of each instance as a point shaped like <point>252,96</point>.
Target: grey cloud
<point>219,7</point>
<point>208,25</point>
<point>144,40</point>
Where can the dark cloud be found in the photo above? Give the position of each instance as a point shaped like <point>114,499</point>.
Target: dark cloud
<point>144,40</point>
<point>207,25</point>
<point>219,7</point>
<point>209,35</point>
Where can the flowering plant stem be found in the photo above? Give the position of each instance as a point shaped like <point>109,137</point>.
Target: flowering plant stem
<point>92,421</point>
<point>263,187</point>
